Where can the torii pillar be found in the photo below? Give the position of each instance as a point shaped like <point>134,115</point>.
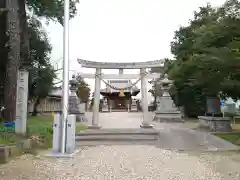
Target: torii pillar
<point>96,102</point>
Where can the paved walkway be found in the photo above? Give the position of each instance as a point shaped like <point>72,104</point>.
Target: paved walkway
<point>132,162</point>
<point>172,135</point>
<point>118,119</point>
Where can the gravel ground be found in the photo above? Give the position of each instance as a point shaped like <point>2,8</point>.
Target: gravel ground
<point>113,162</point>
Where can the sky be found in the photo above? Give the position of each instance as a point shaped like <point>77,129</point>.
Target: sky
<point>121,31</point>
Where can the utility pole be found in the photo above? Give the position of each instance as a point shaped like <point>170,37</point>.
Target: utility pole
<point>65,94</point>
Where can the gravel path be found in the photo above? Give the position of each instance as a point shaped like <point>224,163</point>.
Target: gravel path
<point>112,162</point>
<point>132,162</point>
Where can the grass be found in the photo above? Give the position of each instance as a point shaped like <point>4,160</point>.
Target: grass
<point>7,136</point>
<point>37,126</point>
<point>233,137</point>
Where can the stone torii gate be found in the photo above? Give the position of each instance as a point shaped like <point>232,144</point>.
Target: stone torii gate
<point>98,76</point>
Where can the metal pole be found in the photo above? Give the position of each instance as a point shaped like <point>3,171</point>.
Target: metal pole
<point>65,74</point>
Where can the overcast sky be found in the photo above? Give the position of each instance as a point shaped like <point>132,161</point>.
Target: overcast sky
<point>122,31</point>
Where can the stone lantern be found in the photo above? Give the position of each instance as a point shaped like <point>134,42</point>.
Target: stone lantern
<point>166,110</point>
<point>73,85</point>
<point>75,107</point>
<point>166,85</point>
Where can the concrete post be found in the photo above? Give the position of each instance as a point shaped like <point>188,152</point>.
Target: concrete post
<point>70,138</point>
<point>56,133</point>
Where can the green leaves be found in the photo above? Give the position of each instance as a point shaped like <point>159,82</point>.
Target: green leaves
<point>51,9</point>
<point>83,90</point>
<point>42,73</point>
<point>207,55</point>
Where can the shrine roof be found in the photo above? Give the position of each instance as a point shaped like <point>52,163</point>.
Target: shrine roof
<point>115,65</point>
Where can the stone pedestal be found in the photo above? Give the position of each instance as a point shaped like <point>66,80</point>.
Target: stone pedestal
<point>215,124</point>
<point>146,126</point>
<point>166,109</point>
<point>167,112</point>
<point>81,116</point>
<point>168,117</point>
<point>134,106</point>
<point>213,120</point>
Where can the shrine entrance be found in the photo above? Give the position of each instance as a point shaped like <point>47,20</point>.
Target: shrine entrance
<point>119,103</point>
<point>120,88</point>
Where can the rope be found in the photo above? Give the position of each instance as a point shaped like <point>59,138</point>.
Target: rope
<point>125,88</point>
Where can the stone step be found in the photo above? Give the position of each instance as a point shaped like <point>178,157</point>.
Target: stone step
<point>108,136</point>
<point>168,120</point>
<point>117,138</point>
<point>138,131</point>
<point>110,143</point>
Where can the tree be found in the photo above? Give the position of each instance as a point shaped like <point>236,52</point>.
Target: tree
<point>12,64</point>
<point>51,9</point>
<point>3,49</point>
<point>42,73</point>
<point>208,46</point>
<point>40,86</point>
<point>83,90</point>
<point>18,40</point>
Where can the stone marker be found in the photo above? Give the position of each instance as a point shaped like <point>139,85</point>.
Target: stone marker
<point>21,103</point>
<point>213,120</point>
<point>213,107</point>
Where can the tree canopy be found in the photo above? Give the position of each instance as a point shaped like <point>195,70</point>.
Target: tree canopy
<point>207,57</point>
<point>28,42</point>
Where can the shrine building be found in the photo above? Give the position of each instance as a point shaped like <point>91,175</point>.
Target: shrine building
<point>120,99</point>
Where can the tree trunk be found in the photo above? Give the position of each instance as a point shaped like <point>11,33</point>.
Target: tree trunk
<point>37,102</point>
<point>3,49</point>
<point>12,66</point>
<point>25,60</point>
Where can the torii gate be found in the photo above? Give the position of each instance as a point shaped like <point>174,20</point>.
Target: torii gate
<point>98,76</point>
